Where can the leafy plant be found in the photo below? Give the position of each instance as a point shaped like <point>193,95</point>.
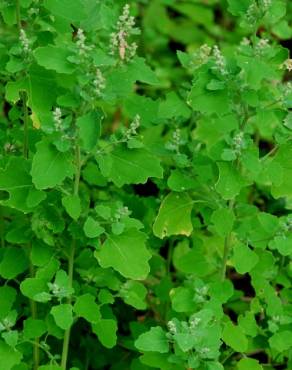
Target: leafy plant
<point>145,179</point>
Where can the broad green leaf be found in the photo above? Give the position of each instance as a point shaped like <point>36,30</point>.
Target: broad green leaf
<point>237,7</point>
<point>50,167</point>
<point>249,364</point>
<point>173,106</point>
<point>89,129</point>
<point>134,293</point>
<point>106,329</point>
<point>55,58</point>
<point>36,289</point>
<point>223,219</point>
<point>13,263</point>
<point>126,253</point>
<point>86,307</point>
<point>207,101</point>
<point>154,340</point>
<point>124,166</point>
<point>72,12</point>
<point>16,180</point>
<point>9,357</point>
<point>182,299</point>
<point>244,258</point>
<point>63,315</point>
<point>281,341</point>
<point>50,367</point>
<point>92,228</point>
<point>234,337</point>
<point>72,206</point>
<point>33,328</point>
<point>230,182</point>
<point>180,181</point>
<point>7,298</point>
<point>283,158</point>
<point>174,216</point>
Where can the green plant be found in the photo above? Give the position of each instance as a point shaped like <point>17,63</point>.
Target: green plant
<point>145,216</point>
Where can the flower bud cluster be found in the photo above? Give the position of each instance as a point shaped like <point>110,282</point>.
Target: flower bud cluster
<point>83,49</point>
<point>172,327</point>
<point>24,41</point>
<point>98,83</point>
<point>220,64</point>
<point>252,13</point>
<point>119,40</point>
<point>287,65</point>
<point>237,143</point>
<point>261,47</point>
<point>122,212</point>
<point>266,4</point>
<point>201,294</point>
<point>57,118</point>
<point>134,125</point>
<point>34,8</point>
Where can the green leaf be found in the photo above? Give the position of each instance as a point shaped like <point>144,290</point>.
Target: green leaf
<point>33,328</point>
<point>244,258</point>
<point>92,228</point>
<point>13,263</point>
<point>223,220</point>
<point>134,293</point>
<point>182,299</point>
<point>72,206</point>
<point>234,337</point>
<point>7,298</point>
<point>50,167</point>
<point>230,182</point>
<point>173,106</point>
<point>281,341</point>
<point>72,12</point>
<point>105,330</point>
<point>207,101</point>
<point>124,166</point>
<point>89,129</point>
<point>174,216</point>
<point>283,158</point>
<point>9,356</point>
<point>63,315</point>
<point>54,58</point>
<point>179,181</point>
<point>237,7</point>
<point>249,364</point>
<point>154,340</point>
<point>126,253</point>
<point>36,289</point>
<point>86,307</point>
<point>16,180</point>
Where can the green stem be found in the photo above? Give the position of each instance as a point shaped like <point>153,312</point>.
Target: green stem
<point>25,123</point>
<point>227,246</point>
<point>2,228</point>
<point>17,8</point>
<point>66,340</point>
<point>36,343</point>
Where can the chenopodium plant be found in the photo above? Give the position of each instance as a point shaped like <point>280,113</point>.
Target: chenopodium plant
<point>235,148</point>
<point>72,241</point>
<point>82,128</point>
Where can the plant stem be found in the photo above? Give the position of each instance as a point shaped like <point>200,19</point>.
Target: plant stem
<point>25,124</point>
<point>18,20</point>
<point>33,305</point>
<point>227,246</point>
<point>66,340</point>
<point>33,309</point>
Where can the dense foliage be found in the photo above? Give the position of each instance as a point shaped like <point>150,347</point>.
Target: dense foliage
<point>145,185</point>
